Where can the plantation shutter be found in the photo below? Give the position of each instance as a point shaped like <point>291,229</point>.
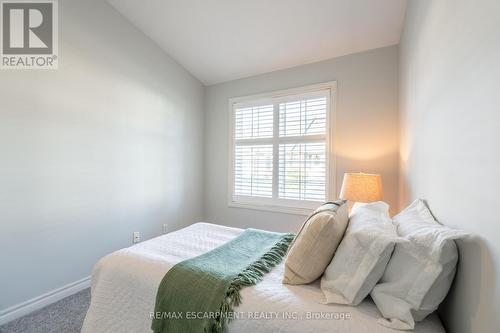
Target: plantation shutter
<point>302,162</point>
<point>253,162</point>
<point>280,150</point>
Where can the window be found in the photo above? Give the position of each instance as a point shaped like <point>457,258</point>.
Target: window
<point>281,145</point>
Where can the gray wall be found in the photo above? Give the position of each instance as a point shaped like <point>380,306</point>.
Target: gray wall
<point>450,103</point>
<point>108,144</point>
<point>367,137</point>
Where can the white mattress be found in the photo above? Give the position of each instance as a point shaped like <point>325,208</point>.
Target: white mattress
<point>124,286</point>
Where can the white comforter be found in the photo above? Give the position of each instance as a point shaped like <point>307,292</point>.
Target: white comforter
<point>124,286</point>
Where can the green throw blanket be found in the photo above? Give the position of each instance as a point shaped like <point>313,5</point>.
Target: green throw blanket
<point>198,294</point>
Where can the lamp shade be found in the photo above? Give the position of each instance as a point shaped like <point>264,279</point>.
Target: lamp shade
<point>361,187</point>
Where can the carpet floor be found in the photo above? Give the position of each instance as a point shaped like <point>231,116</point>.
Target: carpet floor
<point>65,316</point>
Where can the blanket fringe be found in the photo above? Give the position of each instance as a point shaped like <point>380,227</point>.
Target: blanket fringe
<point>249,277</point>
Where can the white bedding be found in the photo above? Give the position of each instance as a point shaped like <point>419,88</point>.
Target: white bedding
<point>124,286</point>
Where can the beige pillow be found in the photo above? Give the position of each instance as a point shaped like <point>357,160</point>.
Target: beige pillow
<point>315,244</point>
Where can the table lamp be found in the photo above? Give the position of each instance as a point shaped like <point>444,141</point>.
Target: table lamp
<point>361,187</point>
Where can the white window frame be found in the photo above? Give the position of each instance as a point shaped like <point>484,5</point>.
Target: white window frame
<point>297,207</point>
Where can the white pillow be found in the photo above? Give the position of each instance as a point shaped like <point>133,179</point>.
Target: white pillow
<point>420,271</point>
<point>362,255</point>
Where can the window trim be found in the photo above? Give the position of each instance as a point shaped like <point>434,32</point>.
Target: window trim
<point>266,204</point>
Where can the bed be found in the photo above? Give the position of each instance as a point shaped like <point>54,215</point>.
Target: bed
<point>124,286</point>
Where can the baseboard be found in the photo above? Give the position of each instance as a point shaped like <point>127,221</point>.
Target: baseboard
<point>39,302</point>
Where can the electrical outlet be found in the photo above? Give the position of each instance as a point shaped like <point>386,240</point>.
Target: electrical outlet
<point>165,228</point>
<point>137,237</point>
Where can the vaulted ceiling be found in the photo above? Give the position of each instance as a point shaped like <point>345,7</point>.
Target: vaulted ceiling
<point>222,40</point>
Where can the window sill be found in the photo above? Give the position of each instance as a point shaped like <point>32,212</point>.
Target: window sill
<point>272,208</point>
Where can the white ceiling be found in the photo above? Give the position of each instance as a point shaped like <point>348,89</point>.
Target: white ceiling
<point>222,40</point>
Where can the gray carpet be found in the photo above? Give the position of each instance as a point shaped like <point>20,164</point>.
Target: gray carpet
<point>65,316</point>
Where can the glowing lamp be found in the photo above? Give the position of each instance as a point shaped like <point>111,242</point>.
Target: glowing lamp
<point>361,187</point>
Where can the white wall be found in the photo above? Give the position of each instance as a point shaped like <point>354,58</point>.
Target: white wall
<point>450,102</point>
<point>108,144</point>
<point>367,137</point>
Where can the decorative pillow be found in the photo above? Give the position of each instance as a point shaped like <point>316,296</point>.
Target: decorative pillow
<point>420,271</point>
<point>362,255</point>
<point>315,244</point>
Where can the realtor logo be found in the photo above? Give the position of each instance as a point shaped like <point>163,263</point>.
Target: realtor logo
<point>29,33</point>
